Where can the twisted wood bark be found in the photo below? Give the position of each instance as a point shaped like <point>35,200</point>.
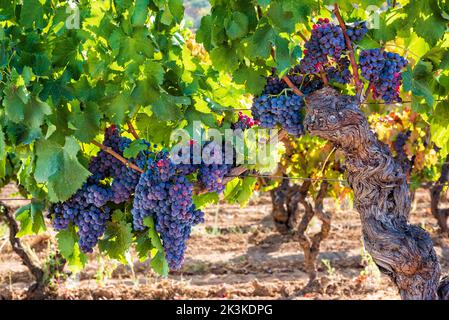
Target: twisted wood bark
<point>402,251</point>
<point>285,201</point>
<point>37,289</point>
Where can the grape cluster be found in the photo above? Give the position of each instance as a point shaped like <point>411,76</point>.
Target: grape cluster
<point>383,70</point>
<point>167,197</point>
<point>284,110</point>
<point>275,85</point>
<point>401,141</point>
<point>215,166</point>
<point>339,72</point>
<point>327,40</point>
<point>244,122</point>
<point>357,30</point>
<point>87,207</point>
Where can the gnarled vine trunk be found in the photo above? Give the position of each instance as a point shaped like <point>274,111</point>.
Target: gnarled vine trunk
<point>285,200</point>
<point>402,251</point>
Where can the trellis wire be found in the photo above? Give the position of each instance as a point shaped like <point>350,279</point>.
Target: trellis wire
<point>343,181</point>
<point>363,103</point>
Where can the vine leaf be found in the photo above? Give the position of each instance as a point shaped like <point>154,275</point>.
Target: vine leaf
<point>143,247</point>
<point>58,166</point>
<point>166,107</point>
<point>140,13</point>
<point>117,237</point>
<point>439,129</point>
<point>204,199</point>
<point>32,12</point>
<point>158,261</point>
<point>237,25</point>
<point>262,40</point>
<point>135,148</point>
<point>31,219</point>
<point>85,120</point>
<point>224,58</point>
<point>69,248</point>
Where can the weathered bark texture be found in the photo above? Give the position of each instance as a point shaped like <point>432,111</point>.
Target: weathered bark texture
<point>38,288</point>
<point>311,245</point>
<point>284,210</point>
<point>435,194</point>
<point>402,251</point>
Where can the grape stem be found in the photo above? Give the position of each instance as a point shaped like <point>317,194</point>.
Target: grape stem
<point>303,37</point>
<point>323,76</point>
<point>355,69</point>
<point>132,130</point>
<point>117,156</point>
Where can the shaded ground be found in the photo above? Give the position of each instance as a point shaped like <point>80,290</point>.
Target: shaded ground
<point>236,254</point>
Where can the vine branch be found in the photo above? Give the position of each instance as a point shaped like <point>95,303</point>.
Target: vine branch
<point>17,247</point>
<point>132,130</point>
<point>117,156</point>
<point>355,69</point>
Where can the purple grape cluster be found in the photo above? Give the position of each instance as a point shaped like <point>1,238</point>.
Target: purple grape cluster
<point>284,110</point>
<point>244,122</point>
<point>87,207</point>
<point>383,70</point>
<point>357,31</point>
<point>91,223</point>
<point>276,85</point>
<point>167,197</point>
<point>339,72</point>
<point>215,166</point>
<point>327,40</point>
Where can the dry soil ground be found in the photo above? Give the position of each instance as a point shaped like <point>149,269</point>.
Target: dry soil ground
<point>236,254</point>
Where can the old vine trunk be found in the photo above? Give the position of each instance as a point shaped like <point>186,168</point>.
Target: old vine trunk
<point>402,251</point>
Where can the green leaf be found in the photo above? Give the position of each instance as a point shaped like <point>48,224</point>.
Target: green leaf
<point>204,199</point>
<point>140,13</point>
<point>117,238</point>
<point>32,13</point>
<point>85,119</point>
<point>31,219</point>
<point>152,129</point>
<point>69,248</point>
<point>158,261</point>
<point>283,58</point>
<point>134,148</point>
<point>262,40</point>
<point>35,112</point>
<point>203,34</point>
<point>118,107</point>
<point>432,29</point>
<point>224,58</point>
<point>15,101</point>
<point>247,190</point>
<point>281,20</point>
<point>254,80</point>
<point>166,107</point>
<point>143,247</point>
<point>154,72</point>
<point>237,25</point>
<point>58,166</point>
<point>439,128</point>
<point>232,188</point>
